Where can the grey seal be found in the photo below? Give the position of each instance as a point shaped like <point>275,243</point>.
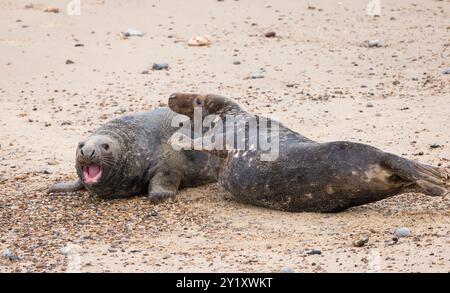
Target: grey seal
<point>307,175</point>
<point>130,155</point>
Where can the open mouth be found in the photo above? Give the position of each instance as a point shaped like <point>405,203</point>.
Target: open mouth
<point>92,174</point>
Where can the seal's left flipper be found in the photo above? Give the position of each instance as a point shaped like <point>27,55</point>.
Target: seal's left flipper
<point>66,187</point>
<point>163,185</point>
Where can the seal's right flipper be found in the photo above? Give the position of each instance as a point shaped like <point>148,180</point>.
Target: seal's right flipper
<point>163,185</point>
<point>71,186</point>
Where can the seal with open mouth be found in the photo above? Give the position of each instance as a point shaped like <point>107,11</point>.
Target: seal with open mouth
<point>305,175</point>
<point>130,155</point>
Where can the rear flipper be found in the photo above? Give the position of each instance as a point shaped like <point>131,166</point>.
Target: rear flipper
<point>70,186</point>
<point>426,179</point>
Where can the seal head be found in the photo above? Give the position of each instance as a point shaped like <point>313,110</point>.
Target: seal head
<point>96,159</point>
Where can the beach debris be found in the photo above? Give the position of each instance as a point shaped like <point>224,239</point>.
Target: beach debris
<point>446,71</point>
<point>68,61</point>
<point>287,270</point>
<point>8,254</point>
<point>132,33</point>
<point>374,43</point>
<point>435,146</point>
<point>160,66</point>
<point>270,35</point>
<point>52,10</point>
<point>402,232</point>
<point>200,41</point>
<point>314,252</point>
<point>361,241</point>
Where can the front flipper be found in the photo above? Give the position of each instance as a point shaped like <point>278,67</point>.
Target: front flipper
<point>163,185</point>
<point>70,186</point>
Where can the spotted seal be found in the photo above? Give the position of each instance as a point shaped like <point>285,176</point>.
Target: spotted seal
<point>130,156</point>
<point>306,175</point>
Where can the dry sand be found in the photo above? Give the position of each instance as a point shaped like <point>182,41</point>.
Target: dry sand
<point>319,79</point>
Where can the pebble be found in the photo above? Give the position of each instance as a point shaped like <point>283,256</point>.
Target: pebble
<point>47,171</point>
<point>9,255</point>
<point>132,33</point>
<point>68,61</point>
<point>200,41</point>
<point>237,62</point>
<point>402,232</point>
<point>361,241</point>
<point>270,35</point>
<point>256,76</point>
<point>287,270</point>
<point>160,66</point>
<point>314,252</point>
<point>52,10</point>
<point>374,43</point>
<point>435,146</point>
<point>446,71</point>
<point>369,105</point>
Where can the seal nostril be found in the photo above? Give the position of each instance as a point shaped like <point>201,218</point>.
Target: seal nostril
<point>82,153</point>
<point>92,153</point>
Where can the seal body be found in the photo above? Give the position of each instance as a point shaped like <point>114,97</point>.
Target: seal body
<point>130,156</point>
<point>306,175</point>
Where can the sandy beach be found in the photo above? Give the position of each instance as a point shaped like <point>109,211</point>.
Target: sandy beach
<point>64,75</point>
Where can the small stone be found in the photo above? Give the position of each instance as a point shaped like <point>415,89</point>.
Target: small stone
<point>79,45</point>
<point>237,62</point>
<point>47,171</point>
<point>52,162</point>
<point>435,146</point>
<point>361,241</point>
<point>66,122</point>
<point>270,35</point>
<point>287,270</point>
<point>256,76</point>
<point>200,41</point>
<point>68,61</point>
<point>374,43</point>
<point>402,232</point>
<point>446,71</point>
<point>154,213</point>
<point>160,66</point>
<point>9,255</point>
<point>369,105</point>
<point>52,10</point>
<point>314,252</point>
<point>132,33</point>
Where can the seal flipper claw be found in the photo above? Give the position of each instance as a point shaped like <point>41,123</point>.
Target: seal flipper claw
<point>65,187</point>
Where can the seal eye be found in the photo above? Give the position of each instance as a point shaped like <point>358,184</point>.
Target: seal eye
<point>81,145</point>
<point>105,146</point>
